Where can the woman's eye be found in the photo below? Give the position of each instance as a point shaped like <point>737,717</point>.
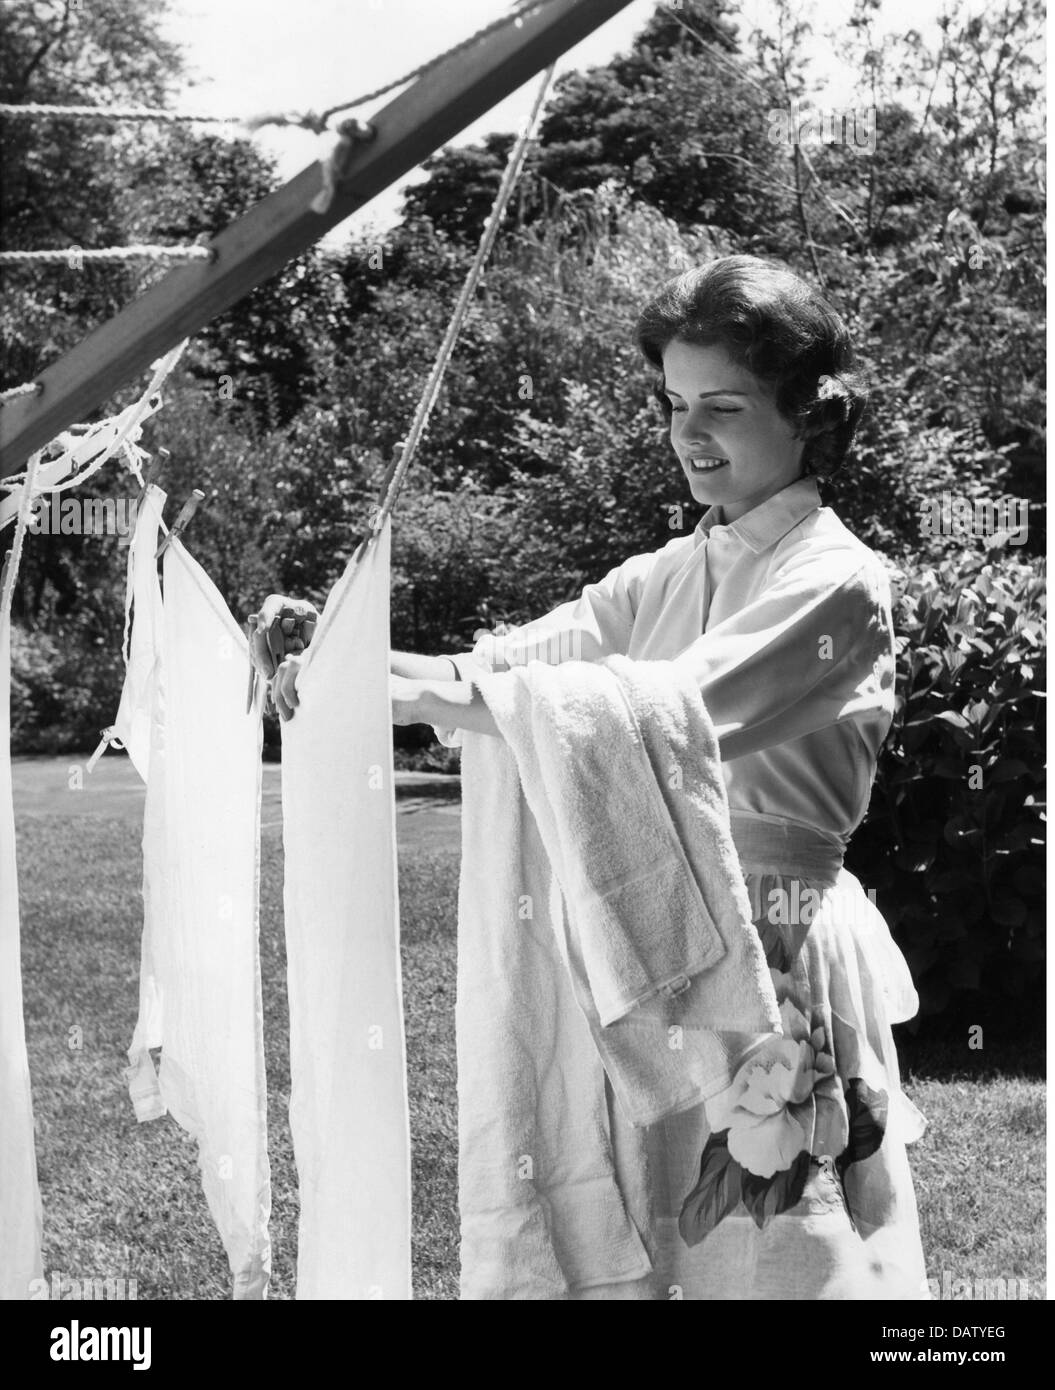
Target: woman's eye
<point>678,409</point>
<point>726,409</point>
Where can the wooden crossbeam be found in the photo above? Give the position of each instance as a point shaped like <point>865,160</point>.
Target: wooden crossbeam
<point>281,226</point>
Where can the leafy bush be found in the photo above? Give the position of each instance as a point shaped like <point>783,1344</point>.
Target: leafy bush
<point>63,684</point>
<point>954,840</point>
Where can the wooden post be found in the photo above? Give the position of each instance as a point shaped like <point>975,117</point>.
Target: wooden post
<point>281,226</point>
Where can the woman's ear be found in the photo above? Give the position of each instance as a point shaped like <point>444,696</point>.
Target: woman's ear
<point>659,395</point>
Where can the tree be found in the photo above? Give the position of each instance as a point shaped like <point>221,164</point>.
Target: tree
<point>678,122</point>
<point>460,188</point>
<point>62,178</point>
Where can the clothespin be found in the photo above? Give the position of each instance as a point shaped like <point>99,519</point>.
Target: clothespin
<point>289,636</point>
<point>182,521</point>
<point>150,472</point>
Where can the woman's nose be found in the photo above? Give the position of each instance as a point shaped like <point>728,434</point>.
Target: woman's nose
<point>694,429</point>
<point>695,438</point>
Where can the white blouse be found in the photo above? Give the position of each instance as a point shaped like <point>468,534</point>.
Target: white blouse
<point>784,619</point>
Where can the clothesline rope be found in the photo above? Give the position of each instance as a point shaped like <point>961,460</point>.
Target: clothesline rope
<point>309,120</point>
<point>109,254</point>
<point>318,122</point>
<point>38,109</point>
<point>28,388</point>
<point>461,309</point>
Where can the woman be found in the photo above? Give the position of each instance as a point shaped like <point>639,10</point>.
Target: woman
<point>793,1182</point>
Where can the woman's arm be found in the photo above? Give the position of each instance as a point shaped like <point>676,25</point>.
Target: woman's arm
<point>596,624</point>
<point>447,703</point>
<point>423,668</point>
<point>813,649</point>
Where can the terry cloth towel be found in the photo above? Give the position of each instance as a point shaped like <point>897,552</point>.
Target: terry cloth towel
<point>200,997</point>
<point>619,764</point>
<point>617,895</point>
<point>348,1109</point>
<point>20,1209</point>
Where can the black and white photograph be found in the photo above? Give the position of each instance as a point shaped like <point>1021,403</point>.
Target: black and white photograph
<point>522,666</point>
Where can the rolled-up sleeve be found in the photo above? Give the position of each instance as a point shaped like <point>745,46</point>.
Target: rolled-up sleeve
<point>596,624</point>
<point>814,649</point>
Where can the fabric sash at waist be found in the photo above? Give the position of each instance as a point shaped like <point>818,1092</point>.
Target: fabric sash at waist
<point>770,845</point>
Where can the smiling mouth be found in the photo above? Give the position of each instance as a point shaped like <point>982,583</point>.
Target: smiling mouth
<point>707,464</point>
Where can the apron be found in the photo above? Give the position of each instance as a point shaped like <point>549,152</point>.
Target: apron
<point>854,1231</point>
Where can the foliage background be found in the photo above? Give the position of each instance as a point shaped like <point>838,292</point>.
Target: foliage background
<point>545,462</point>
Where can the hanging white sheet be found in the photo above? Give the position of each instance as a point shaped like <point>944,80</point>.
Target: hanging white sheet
<point>200,996</point>
<point>20,1209</point>
<point>348,1109</point>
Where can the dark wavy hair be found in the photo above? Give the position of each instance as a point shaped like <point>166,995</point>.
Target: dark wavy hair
<point>782,331</point>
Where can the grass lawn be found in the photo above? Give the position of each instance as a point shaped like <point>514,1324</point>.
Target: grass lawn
<point>979,1169</point>
<point>123,1200</point>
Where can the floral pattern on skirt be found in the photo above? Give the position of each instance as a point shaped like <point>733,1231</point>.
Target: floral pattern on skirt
<point>794,1182</point>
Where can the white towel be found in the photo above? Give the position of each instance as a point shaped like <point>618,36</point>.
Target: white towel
<point>619,763</point>
<point>200,996</point>
<point>348,1110</point>
<point>620,884</point>
<point>20,1209</point>
<point>540,1205</point>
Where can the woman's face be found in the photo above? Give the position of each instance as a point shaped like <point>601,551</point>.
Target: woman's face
<point>722,411</point>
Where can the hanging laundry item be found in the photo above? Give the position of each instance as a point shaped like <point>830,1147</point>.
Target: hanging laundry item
<point>200,997</point>
<point>348,1108</point>
<point>142,706</point>
<point>20,1209</point>
<point>83,450</point>
<point>131,728</point>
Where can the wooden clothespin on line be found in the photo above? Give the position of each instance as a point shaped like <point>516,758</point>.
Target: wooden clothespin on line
<point>295,629</point>
<point>151,469</point>
<point>182,521</point>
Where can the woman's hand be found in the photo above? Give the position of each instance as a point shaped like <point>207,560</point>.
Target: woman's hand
<point>283,628</point>
<point>444,704</point>
<point>406,696</point>
<point>283,686</point>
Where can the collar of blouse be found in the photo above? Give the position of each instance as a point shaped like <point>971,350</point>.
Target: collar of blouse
<point>767,523</point>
